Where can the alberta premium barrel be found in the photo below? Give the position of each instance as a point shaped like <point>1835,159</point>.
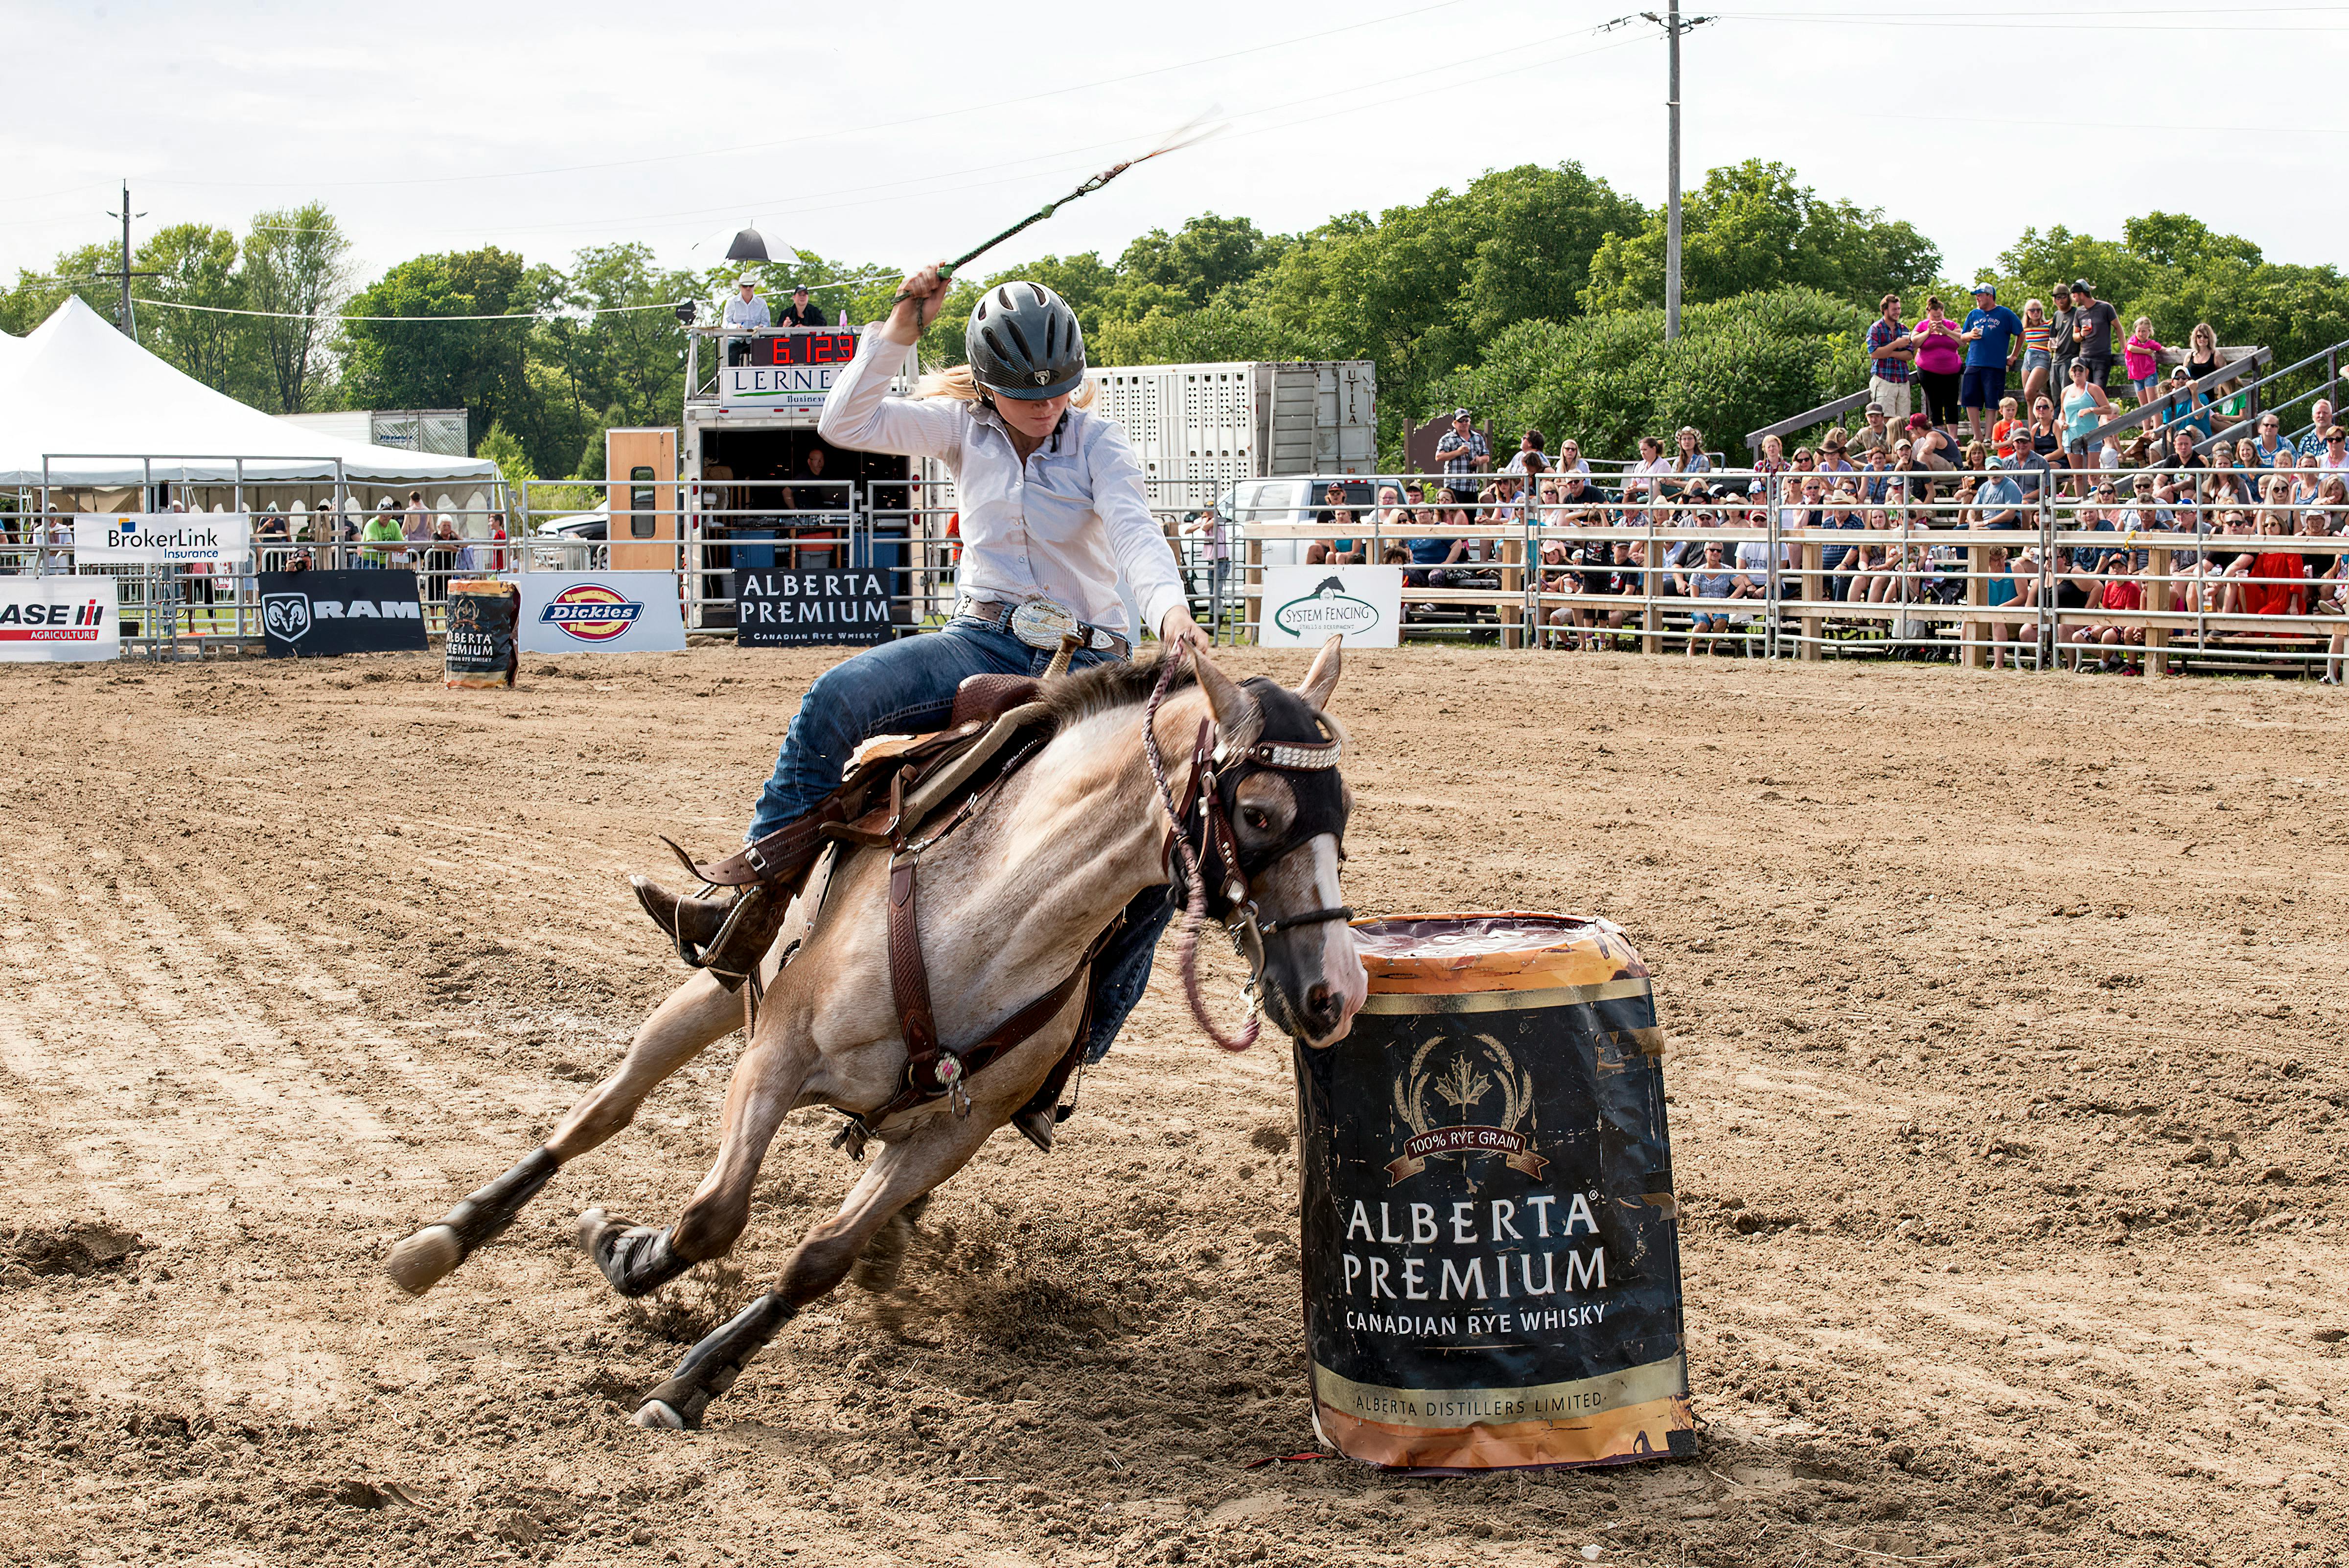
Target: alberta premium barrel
<point>1492,1263</point>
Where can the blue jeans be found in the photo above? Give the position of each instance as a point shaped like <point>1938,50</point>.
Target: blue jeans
<point>907,687</point>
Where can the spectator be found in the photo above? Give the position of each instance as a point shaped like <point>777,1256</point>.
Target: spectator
<point>1999,502</point>
<point>1337,514</point>
<point>1992,335</point>
<point>2002,433</point>
<point>2085,407</point>
<point>2271,448</point>
<point>2186,407</point>
<point>1774,456</point>
<point>1569,457</point>
<point>2092,332</point>
<point>1430,549</point>
<point>440,559</point>
<point>2313,443</point>
<point>1940,363</point>
<point>1639,483</point>
<point>1876,435</point>
<point>2201,353</point>
<point>1832,460</point>
<point>2117,591</point>
<point>1890,358</point>
<point>2038,363</point>
<point>383,531</point>
<point>2334,458</point>
<point>1464,449</point>
<point>1532,443</point>
<point>415,528</point>
<point>1215,549</point>
<point>746,313</point>
<point>799,312</point>
<point>2143,354</point>
<point>1688,457</point>
<point>1710,579</point>
<point>2273,583</point>
<point>2000,589</point>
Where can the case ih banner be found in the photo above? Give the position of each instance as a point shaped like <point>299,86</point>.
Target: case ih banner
<point>309,615</point>
<point>58,619</point>
<point>161,538</point>
<point>600,612</point>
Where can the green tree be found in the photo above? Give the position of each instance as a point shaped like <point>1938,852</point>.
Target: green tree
<point>37,295</point>
<point>198,265</point>
<point>480,366</point>
<point>295,270</point>
<point>1751,227</point>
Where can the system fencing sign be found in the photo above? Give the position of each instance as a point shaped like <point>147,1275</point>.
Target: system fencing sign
<point>600,612</point>
<point>311,615</point>
<point>1304,605</point>
<point>58,619</point>
<point>161,538</point>
<point>845,606</point>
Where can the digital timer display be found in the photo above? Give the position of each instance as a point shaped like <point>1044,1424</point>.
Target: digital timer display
<point>809,349</point>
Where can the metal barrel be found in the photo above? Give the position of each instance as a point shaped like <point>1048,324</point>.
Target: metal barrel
<point>1492,1257</point>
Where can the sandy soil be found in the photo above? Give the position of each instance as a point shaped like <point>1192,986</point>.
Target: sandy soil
<point>2008,1068</point>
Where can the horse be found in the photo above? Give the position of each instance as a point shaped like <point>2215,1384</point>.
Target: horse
<point>1012,899</point>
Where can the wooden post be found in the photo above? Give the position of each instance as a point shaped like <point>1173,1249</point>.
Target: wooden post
<point>1512,581</point>
<point>2156,638</point>
<point>1255,595</point>
<point>1812,587</point>
<point>1976,633</point>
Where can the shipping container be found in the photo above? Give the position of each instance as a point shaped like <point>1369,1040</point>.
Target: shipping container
<point>1199,429</point>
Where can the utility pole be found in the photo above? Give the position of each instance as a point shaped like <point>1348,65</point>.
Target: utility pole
<point>128,324</point>
<point>1673,26</point>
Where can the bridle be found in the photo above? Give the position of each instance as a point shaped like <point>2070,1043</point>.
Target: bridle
<point>1200,841</point>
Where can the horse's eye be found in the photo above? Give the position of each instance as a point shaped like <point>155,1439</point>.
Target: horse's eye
<point>1255,818</point>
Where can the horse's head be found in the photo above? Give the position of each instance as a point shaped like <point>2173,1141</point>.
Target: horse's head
<point>1275,879</point>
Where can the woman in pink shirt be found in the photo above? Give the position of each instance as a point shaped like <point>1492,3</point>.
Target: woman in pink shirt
<point>1941,361</point>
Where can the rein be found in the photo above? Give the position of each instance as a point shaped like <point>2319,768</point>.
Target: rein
<point>1246,932</point>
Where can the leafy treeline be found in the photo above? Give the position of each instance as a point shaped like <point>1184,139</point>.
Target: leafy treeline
<point>1534,295</point>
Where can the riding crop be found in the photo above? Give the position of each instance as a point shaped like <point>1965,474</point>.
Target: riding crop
<point>1195,131</point>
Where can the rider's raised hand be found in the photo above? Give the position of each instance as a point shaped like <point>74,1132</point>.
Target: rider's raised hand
<point>919,299</point>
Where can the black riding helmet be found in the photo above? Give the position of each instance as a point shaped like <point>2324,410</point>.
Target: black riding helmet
<point>1023,342</point>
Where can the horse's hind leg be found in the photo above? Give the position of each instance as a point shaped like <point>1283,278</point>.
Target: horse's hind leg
<point>904,1171</point>
<point>694,1014</point>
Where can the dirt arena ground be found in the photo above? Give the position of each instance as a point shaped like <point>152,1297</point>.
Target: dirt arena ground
<point>2008,1068</point>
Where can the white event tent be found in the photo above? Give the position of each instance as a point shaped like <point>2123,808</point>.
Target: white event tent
<point>77,391</point>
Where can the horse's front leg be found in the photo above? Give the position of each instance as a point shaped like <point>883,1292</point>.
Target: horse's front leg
<point>928,1152</point>
<point>696,1014</point>
<point>641,1259</point>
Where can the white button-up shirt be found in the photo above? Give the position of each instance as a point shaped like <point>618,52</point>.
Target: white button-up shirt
<point>1058,526</point>
<point>748,314</point>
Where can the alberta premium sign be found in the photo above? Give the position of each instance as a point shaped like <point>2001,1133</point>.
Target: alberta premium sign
<point>843,607</point>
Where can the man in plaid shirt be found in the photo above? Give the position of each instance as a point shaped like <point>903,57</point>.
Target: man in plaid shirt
<point>1890,357</point>
<point>1463,450</point>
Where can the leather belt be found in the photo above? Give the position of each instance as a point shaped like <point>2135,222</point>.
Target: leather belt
<point>997,614</point>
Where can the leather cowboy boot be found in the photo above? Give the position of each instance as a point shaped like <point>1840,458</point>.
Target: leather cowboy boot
<point>683,920</point>
<point>727,936</point>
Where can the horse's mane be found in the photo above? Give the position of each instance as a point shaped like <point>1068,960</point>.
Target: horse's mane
<point>1109,685</point>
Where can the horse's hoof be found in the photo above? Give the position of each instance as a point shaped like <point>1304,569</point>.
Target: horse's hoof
<point>425,1259</point>
<point>592,1224</point>
<point>658,1416</point>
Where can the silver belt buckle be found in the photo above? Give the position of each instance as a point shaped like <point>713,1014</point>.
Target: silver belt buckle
<point>1042,623</point>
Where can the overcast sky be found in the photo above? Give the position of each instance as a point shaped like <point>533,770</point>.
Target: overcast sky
<point>897,132</point>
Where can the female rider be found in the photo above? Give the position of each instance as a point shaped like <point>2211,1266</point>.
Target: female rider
<point>1052,506</point>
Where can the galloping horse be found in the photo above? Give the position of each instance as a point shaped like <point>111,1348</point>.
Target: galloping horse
<point>1011,901</point>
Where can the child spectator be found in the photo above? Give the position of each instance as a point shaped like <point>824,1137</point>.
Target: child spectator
<point>2000,589</point>
<point>2141,357</point>
<point>2002,434</point>
<point>2119,592</point>
<point>1711,580</point>
<point>2038,361</point>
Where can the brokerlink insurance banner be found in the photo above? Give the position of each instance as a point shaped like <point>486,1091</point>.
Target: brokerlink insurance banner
<point>161,538</point>
<point>58,619</point>
<point>1303,605</point>
<point>308,615</point>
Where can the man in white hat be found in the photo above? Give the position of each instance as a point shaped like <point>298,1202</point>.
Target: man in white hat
<point>748,312</point>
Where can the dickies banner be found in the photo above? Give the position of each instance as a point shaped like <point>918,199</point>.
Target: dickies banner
<point>310,615</point>
<point>600,612</point>
<point>58,619</point>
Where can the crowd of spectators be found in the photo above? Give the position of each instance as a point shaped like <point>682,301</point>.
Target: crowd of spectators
<point>1912,482</point>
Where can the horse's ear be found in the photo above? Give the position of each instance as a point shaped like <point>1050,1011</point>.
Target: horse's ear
<point>1322,679</point>
<point>1237,715</point>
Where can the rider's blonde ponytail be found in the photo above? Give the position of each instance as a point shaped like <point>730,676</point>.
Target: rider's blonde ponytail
<point>956,382</point>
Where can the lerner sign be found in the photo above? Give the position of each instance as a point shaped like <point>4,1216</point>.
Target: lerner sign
<point>1304,605</point>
